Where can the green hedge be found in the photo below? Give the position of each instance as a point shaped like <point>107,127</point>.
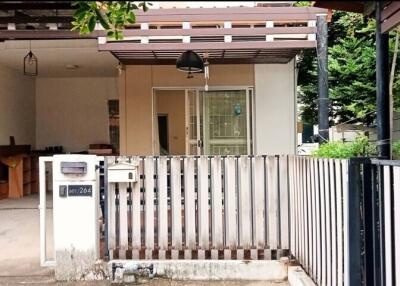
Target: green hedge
<point>360,147</point>
<point>396,149</point>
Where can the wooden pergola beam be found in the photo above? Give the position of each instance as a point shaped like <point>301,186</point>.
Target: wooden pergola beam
<point>67,34</point>
<point>208,46</point>
<point>29,19</point>
<point>272,60</point>
<point>7,6</point>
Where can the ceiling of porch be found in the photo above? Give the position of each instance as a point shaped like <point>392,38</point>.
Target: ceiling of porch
<point>56,57</point>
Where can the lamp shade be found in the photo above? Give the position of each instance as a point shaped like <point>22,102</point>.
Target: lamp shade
<point>30,64</point>
<point>189,61</point>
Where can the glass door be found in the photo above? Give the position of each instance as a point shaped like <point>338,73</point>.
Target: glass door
<point>227,122</point>
<point>193,126</point>
<point>218,122</point>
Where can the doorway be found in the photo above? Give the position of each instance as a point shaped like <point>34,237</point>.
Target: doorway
<point>163,133</point>
<point>169,121</point>
<point>219,121</point>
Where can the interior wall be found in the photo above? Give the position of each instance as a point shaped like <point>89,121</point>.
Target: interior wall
<point>73,112</point>
<point>17,107</point>
<point>275,109</point>
<point>172,104</point>
<point>136,104</point>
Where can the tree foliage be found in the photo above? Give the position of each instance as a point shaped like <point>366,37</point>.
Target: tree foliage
<point>113,16</point>
<point>352,82</point>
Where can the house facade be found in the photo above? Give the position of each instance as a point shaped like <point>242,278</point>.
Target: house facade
<point>245,105</point>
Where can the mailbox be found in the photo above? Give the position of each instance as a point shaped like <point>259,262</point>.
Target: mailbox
<point>75,213</point>
<point>123,172</point>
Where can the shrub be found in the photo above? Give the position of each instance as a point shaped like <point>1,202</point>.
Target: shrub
<point>396,149</point>
<point>360,147</point>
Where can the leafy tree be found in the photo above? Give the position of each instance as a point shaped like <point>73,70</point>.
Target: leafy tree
<point>352,87</point>
<point>113,16</point>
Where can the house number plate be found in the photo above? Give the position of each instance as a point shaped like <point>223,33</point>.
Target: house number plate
<point>80,190</point>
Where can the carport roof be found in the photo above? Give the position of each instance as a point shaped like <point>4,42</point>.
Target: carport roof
<point>223,35</point>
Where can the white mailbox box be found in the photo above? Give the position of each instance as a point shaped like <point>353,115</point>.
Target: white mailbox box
<point>123,172</point>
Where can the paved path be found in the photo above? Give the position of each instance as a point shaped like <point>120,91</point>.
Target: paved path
<point>47,281</point>
<point>19,237</point>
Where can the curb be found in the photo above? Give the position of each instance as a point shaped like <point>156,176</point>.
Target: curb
<point>298,277</point>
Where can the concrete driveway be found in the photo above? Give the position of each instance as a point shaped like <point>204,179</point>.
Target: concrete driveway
<point>19,237</point>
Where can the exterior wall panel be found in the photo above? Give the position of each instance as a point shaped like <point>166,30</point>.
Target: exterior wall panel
<point>275,109</point>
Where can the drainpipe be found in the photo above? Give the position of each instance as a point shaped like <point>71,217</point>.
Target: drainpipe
<point>322,58</point>
<point>382,87</point>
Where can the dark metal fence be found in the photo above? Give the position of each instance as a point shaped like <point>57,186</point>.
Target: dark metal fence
<point>345,220</point>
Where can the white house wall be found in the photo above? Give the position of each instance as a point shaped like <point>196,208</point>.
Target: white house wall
<point>275,109</point>
<point>73,112</point>
<point>17,107</point>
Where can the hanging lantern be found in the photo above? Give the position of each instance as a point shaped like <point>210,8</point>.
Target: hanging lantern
<point>30,64</point>
<point>190,62</point>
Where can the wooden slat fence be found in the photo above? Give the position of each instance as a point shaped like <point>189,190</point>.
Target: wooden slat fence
<point>318,192</point>
<point>200,207</point>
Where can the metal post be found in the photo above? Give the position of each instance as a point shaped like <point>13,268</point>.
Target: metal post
<point>353,262</point>
<point>323,98</point>
<point>369,223</point>
<point>106,209</point>
<point>382,87</point>
<point>376,177</point>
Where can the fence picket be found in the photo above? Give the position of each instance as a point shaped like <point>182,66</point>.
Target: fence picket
<point>296,206</point>
<point>284,202</point>
<point>176,207</point>
<point>346,237</point>
<point>323,221</point>
<point>216,209</point>
<point>339,222</point>
<point>111,219</point>
<point>204,232</point>
<point>333,222</point>
<point>136,215</point>
<point>302,210</point>
<point>258,202</point>
<point>328,224</point>
<point>396,215</point>
<point>162,207</point>
<point>123,219</point>
<point>230,206</point>
<point>314,214</point>
<point>387,225</point>
<point>149,206</point>
<point>291,202</point>
<point>309,216</point>
<point>244,203</point>
<point>272,202</point>
<point>190,218</point>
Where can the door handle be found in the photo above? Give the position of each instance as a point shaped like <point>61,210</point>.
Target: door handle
<point>200,143</point>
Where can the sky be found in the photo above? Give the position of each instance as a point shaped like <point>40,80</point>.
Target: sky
<point>205,4</point>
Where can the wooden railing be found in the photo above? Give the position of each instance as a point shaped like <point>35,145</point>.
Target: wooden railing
<point>200,208</point>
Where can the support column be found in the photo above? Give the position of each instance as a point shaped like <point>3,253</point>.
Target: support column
<point>382,87</point>
<point>323,98</point>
